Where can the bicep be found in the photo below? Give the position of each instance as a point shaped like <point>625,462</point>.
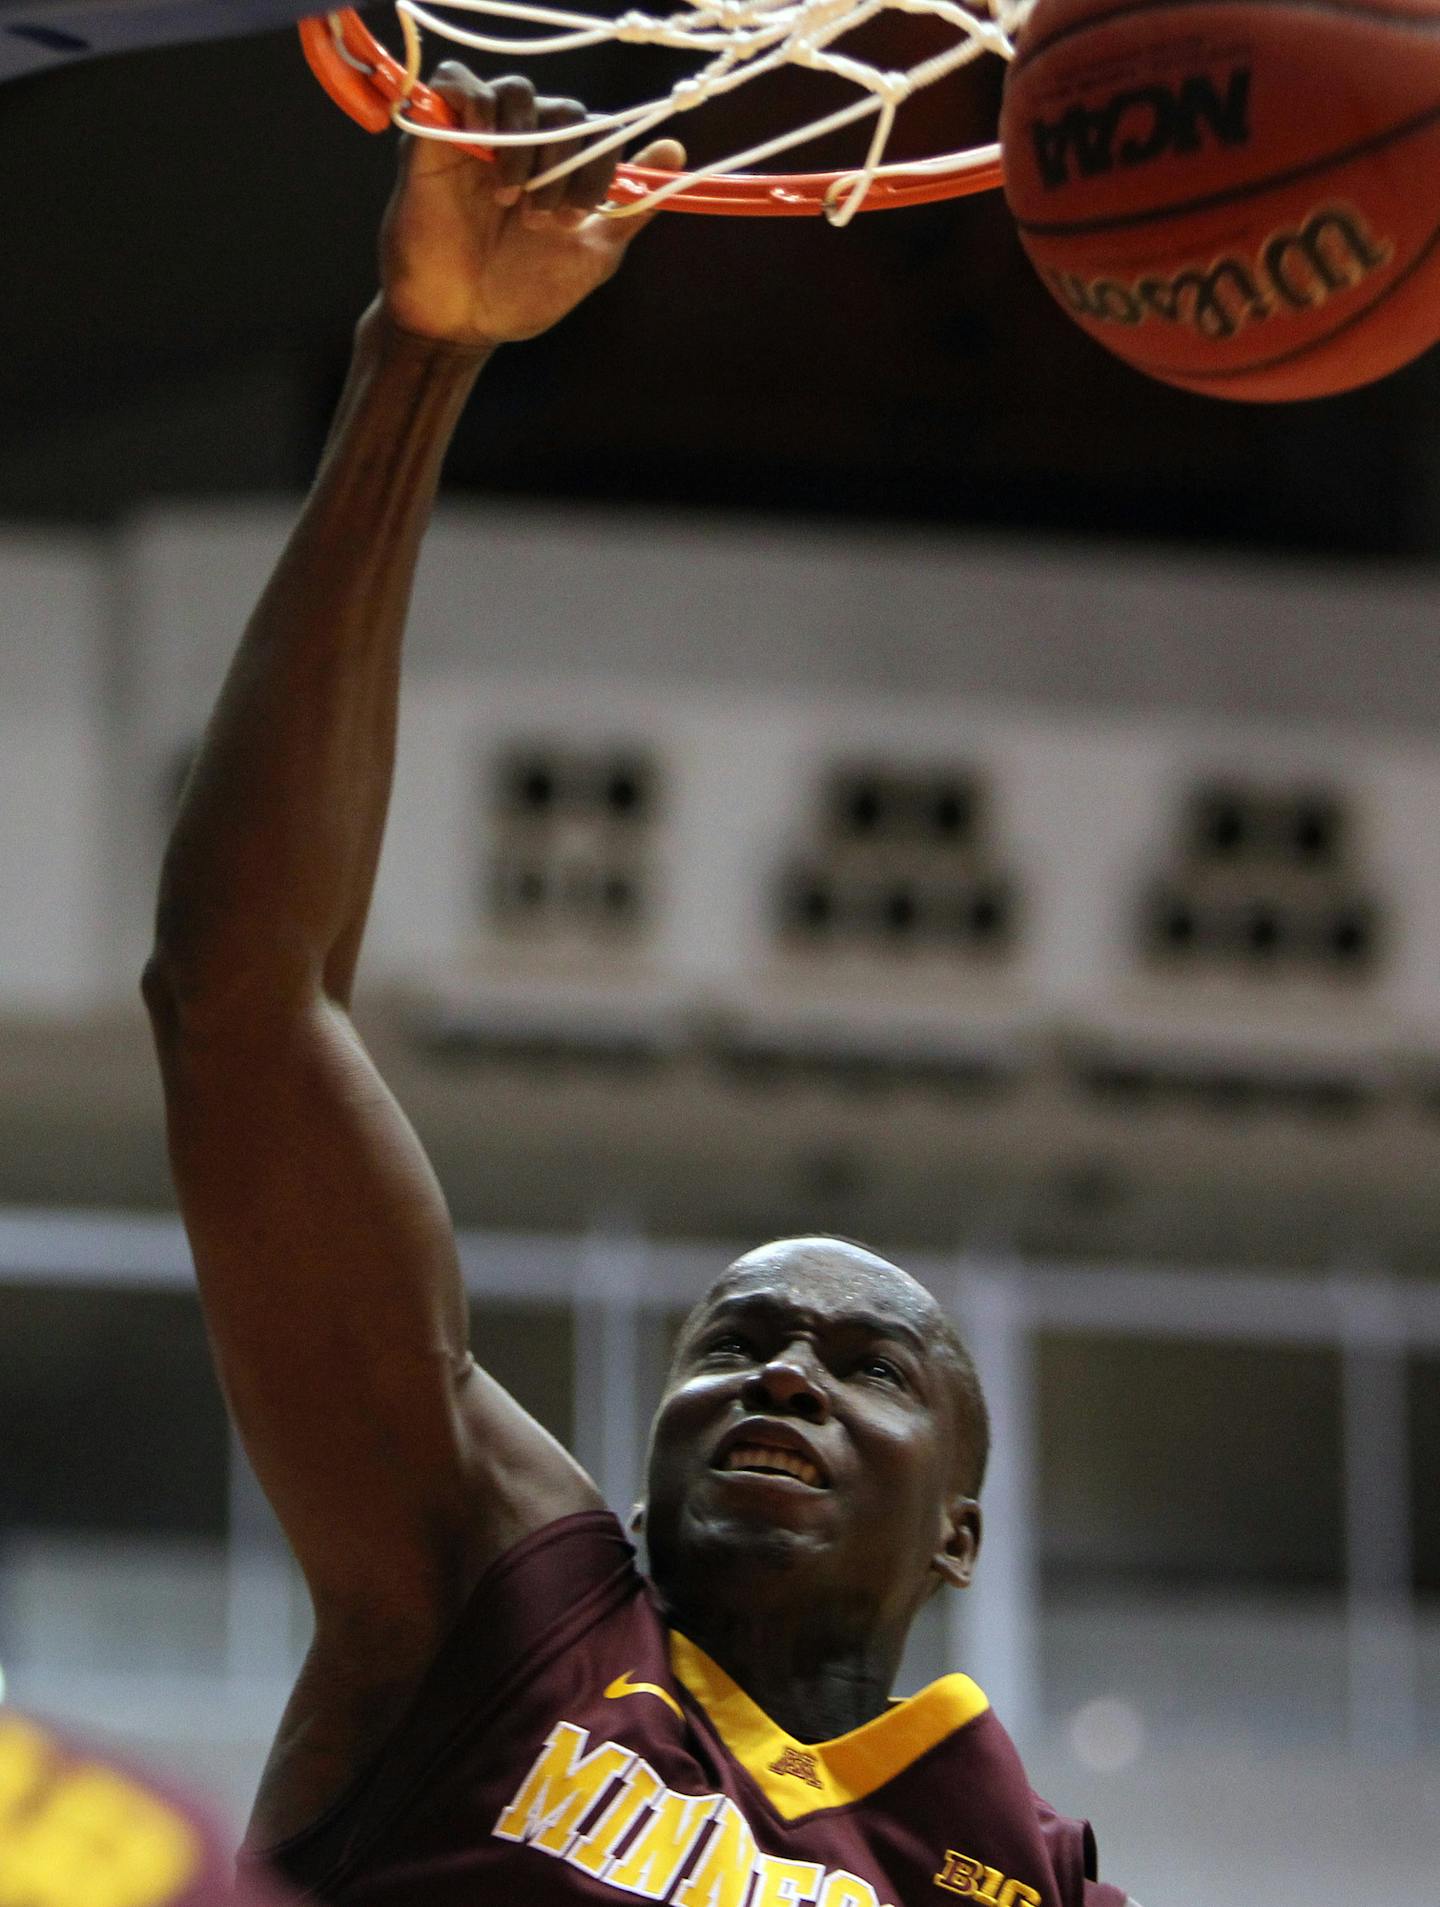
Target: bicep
<point>333,1296</point>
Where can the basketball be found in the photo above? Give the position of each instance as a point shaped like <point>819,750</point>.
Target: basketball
<point>1240,199</point>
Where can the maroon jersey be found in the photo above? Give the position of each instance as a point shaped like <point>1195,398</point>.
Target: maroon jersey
<point>567,1747</point>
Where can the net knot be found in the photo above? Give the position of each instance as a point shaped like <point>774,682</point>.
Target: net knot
<point>687,93</point>
<point>892,89</point>
<point>633,27</point>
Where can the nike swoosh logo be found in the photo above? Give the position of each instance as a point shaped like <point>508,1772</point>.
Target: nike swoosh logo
<point>622,1685</point>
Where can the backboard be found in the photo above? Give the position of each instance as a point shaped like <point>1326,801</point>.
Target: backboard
<point>38,34</point>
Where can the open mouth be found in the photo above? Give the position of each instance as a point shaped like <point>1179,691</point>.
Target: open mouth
<point>765,1460</point>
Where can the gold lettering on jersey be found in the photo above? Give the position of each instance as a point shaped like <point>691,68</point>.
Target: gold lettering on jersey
<point>781,1883</point>
<point>79,1831</point>
<point>973,1880</point>
<point>846,1890</point>
<point>795,1761</point>
<point>593,1853</point>
<point>561,1788</point>
<point>655,1857</point>
<point>721,1877</point>
<point>605,1811</point>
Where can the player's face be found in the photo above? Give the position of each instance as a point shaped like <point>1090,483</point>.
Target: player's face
<point>807,1445</point>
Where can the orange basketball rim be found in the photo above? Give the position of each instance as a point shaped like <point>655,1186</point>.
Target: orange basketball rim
<point>378,90</point>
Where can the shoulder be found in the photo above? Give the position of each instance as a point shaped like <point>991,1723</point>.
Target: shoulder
<point>356,1683</point>
<point>1071,1846</point>
<point>1073,1854</point>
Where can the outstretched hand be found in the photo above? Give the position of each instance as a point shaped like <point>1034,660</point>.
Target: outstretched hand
<point>467,254</point>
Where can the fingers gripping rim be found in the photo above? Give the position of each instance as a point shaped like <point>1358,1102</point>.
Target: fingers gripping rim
<point>369,83</point>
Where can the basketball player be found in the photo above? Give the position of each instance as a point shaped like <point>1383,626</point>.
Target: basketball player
<point>496,1705</point>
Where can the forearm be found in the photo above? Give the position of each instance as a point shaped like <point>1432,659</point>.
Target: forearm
<point>268,874</point>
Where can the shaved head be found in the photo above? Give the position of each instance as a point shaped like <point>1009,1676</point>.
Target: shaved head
<point>815,1458</point>
<point>869,1277</point>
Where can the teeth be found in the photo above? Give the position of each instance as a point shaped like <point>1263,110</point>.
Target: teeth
<point>788,1463</point>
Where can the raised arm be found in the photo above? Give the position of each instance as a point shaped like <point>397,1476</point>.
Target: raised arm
<point>326,1259</point>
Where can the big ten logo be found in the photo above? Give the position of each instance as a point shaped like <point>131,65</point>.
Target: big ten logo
<point>1140,123</point>
<point>796,1763</point>
<point>973,1880</point>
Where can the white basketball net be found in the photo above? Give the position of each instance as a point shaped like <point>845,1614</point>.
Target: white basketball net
<point>736,41</point>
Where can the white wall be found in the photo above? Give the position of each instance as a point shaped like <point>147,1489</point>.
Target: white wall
<point>559,594</point>
<point>1089,687</point>
<point>54,634</point>
<point>1092,688</point>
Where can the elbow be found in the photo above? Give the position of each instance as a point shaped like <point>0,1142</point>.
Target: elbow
<point>177,948</point>
<point>170,975</point>
<point>167,996</point>
<point>197,1006</point>
<point>189,970</point>
<point>219,990</point>
<point>196,960</point>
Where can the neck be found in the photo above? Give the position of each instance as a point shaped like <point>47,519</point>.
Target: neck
<point>815,1679</point>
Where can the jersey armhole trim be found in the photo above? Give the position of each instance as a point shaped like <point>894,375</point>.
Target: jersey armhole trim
<point>319,1855</point>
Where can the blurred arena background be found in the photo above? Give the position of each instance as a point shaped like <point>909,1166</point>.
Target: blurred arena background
<point>869,764</point>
